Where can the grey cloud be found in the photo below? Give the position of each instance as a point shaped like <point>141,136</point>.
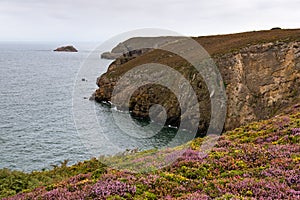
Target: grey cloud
<point>99,19</point>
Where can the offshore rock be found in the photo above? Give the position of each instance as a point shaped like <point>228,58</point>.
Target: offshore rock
<point>66,49</point>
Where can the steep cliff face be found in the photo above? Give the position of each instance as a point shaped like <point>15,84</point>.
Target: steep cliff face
<point>260,80</point>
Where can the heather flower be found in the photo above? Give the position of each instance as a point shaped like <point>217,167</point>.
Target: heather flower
<point>296,131</point>
<point>196,196</point>
<point>260,189</point>
<point>103,189</point>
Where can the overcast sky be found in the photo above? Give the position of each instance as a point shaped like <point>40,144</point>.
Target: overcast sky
<point>98,20</point>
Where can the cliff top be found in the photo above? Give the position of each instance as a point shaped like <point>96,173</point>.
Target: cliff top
<point>218,44</point>
<point>215,45</point>
<point>221,44</point>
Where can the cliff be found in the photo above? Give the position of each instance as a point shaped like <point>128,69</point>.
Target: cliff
<point>260,70</point>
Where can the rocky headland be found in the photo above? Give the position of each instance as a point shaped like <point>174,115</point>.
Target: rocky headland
<point>130,44</point>
<point>260,70</point>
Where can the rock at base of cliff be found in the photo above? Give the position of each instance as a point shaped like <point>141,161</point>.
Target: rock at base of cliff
<point>66,49</point>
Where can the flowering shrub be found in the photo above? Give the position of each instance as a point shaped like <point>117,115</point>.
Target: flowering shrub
<point>258,161</point>
<point>260,189</point>
<point>103,189</point>
<point>195,196</point>
<point>296,131</point>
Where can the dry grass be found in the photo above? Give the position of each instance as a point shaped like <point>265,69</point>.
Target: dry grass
<point>220,44</point>
<point>215,45</point>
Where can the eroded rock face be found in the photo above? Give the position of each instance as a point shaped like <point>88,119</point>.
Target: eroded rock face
<point>260,80</point>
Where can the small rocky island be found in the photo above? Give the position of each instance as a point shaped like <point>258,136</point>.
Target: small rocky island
<point>66,49</point>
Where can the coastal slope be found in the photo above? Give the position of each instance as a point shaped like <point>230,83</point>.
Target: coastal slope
<point>260,70</point>
<point>258,161</point>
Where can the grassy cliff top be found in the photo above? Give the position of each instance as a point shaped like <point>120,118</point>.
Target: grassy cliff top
<point>221,44</point>
<point>215,45</point>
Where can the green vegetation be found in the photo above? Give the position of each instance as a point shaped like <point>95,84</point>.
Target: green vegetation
<point>13,182</point>
<point>260,160</point>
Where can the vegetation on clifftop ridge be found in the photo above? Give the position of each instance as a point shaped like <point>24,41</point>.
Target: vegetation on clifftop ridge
<point>257,161</point>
